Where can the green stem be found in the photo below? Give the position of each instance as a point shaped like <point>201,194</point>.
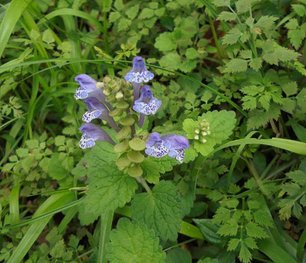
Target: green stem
<point>143,182</point>
<point>214,33</point>
<point>105,229</point>
<point>256,176</point>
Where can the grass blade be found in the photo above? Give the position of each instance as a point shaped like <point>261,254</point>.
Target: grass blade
<point>53,202</point>
<point>12,15</point>
<point>285,144</point>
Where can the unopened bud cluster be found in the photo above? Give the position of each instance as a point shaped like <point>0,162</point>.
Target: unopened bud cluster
<point>201,132</point>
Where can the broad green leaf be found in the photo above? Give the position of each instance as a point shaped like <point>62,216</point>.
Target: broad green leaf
<point>165,42</point>
<point>222,2</point>
<point>108,187</point>
<point>170,61</point>
<point>132,11</point>
<point>227,16</point>
<point>232,36</point>
<point>236,65</point>
<point>162,205</point>
<point>153,168</point>
<point>299,9</point>
<point>132,242</point>
<point>233,244</point>
<point>256,231</point>
<point>221,124</point>
<point>178,255</point>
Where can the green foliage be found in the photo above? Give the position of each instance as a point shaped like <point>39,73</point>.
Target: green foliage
<point>242,228</point>
<point>224,70</point>
<point>106,183</point>
<point>211,129</point>
<point>293,195</point>
<point>134,242</point>
<point>163,205</point>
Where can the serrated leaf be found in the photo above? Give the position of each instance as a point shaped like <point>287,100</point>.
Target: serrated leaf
<point>233,244</point>
<point>178,255</point>
<point>162,205</point>
<point>256,63</point>
<point>231,36</point>
<point>243,5</point>
<point>170,61</point>
<point>221,2</point>
<point>221,125</point>
<point>299,9</point>
<point>108,187</point>
<point>134,243</point>
<point>236,65</point>
<point>165,42</point>
<point>274,53</point>
<point>290,88</point>
<point>259,118</point>
<point>230,228</point>
<point>114,16</point>
<point>153,168</point>
<point>244,254</point>
<point>189,127</point>
<point>256,231</point>
<point>250,242</point>
<point>132,11</point>
<point>227,16</point>
<point>146,13</point>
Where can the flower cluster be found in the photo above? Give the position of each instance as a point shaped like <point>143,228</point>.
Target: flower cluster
<point>202,131</point>
<point>112,101</point>
<point>90,92</point>
<point>171,145</point>
<point>157,146</point>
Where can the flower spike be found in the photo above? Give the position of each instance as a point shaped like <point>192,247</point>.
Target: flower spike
<point>139,72</point>
<point>147,104</point>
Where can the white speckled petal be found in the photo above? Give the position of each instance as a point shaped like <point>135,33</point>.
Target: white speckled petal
<point>88,116</point>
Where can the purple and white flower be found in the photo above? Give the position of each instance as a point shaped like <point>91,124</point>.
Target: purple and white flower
<point>91,134</point>
<point>96,110</point>
<point>147,104</point>
<point>88,88</point>
<point>139,73</point>
<point>172,145</point>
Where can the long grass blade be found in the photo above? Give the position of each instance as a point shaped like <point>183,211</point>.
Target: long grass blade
<point>12,15</point>
<point>53,202</point>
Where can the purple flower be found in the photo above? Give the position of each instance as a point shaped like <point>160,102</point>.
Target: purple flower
<point>91,134</point>
<point>147,104</point>
<point>172,145</point>
<point>139,72</point>
<point>88,88</point>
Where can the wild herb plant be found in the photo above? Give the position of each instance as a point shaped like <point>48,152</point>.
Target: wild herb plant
<point>195,156</point>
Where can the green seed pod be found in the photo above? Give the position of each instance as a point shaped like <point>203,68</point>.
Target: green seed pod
<point>124,133</point>
<point>135,171</point>
<point>137,144</point>
<point>123,162</point>
<point>121,147</point>
<point>135,157</point>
